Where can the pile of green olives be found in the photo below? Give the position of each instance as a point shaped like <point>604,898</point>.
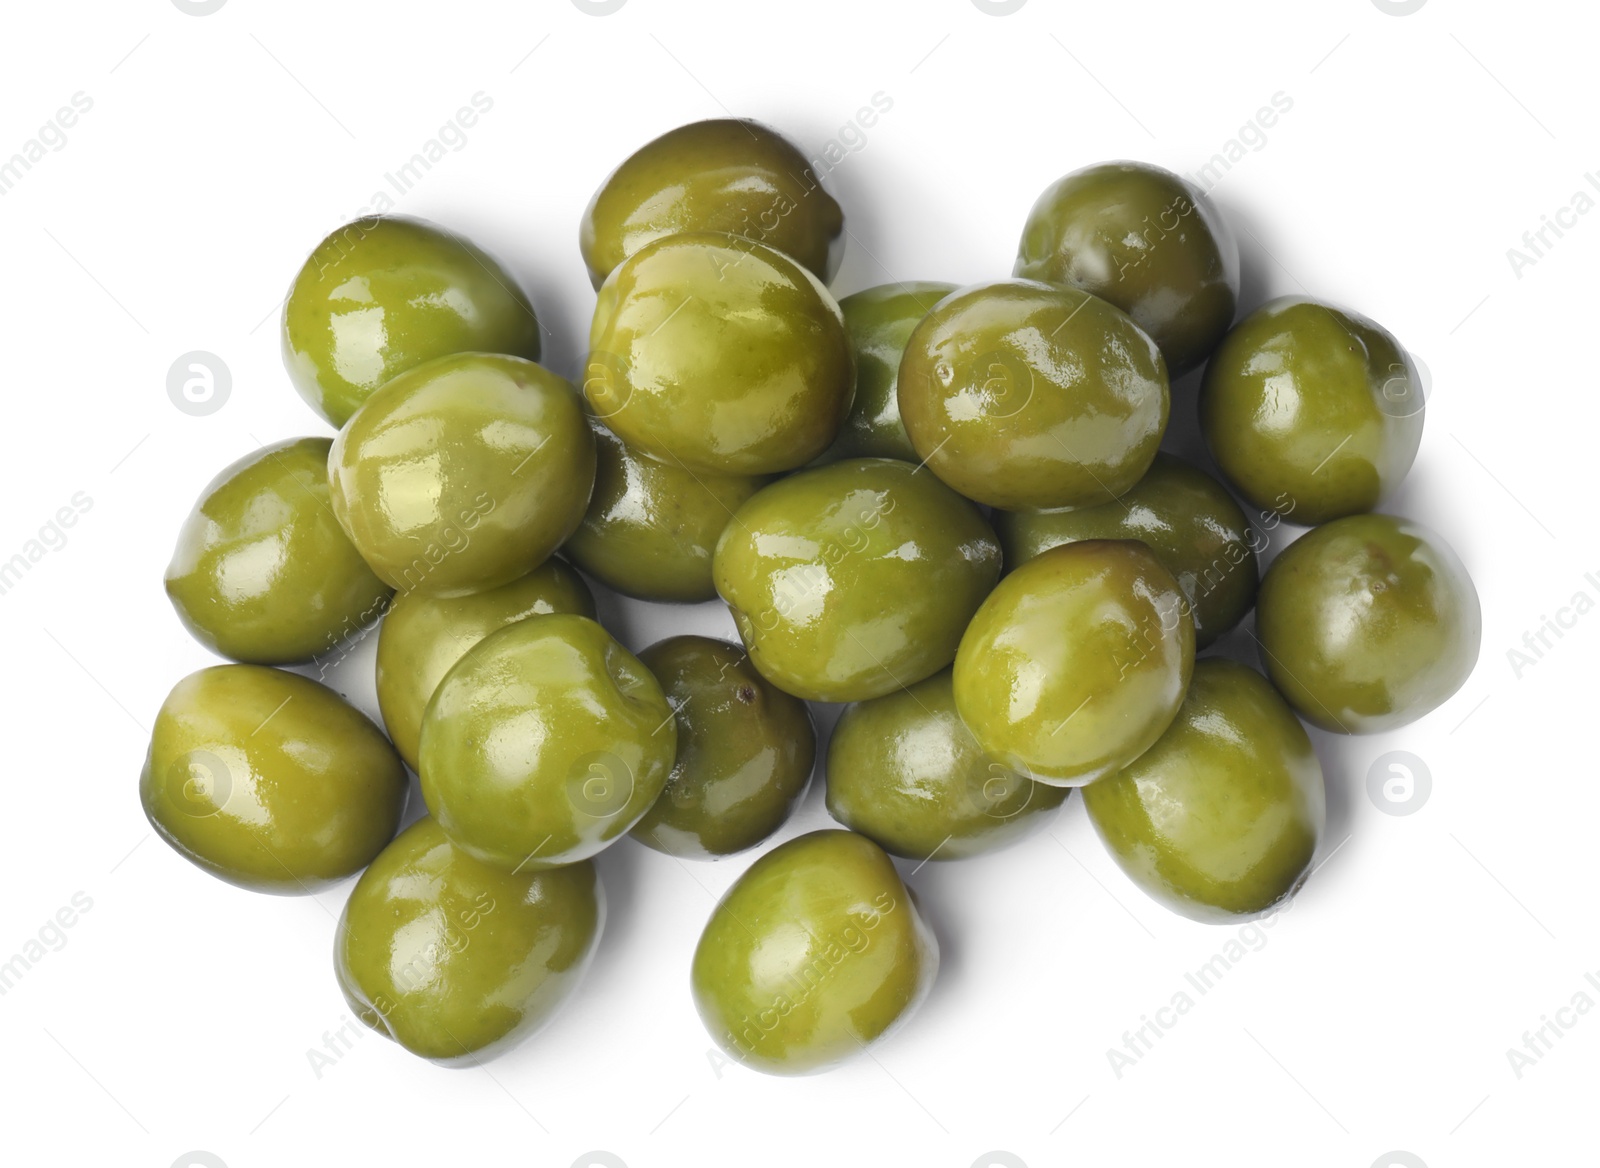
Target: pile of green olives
<point>946,508</point>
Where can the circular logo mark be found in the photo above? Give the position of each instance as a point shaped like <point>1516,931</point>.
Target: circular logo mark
<point>998,7</point>
<point>999,1159</point>
<point>199,383</point>
<point>599,1159</point>
<point>1398,7</point>
<point>199,1159</point>
<point>1399,783</point>
<point>198,8</point>
<point>607,383</point>
<point>599,8</point>
<point>599,784</point>
<point>1004,384</point>
<point>1405,391</point>
<point>997,791</point>
<point>198,784</point>
<point>1399,1159</point>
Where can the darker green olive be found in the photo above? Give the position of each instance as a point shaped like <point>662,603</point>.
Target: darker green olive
<point>721,353</point>
<point>1145,240</point>
<point>543,744</point>
<point>1183,515</point>
<point>851,580</point>
<point>816,952</point>
<point>745,751</point>
<point>1311,411</point>
<point>455,960</point>
<point>728,175</point>
<point>1368,623</point>
<point>1219,819</point>
<point>904,771</point>
<point>879,321</point>
<point>1019,394</point>
<point>1077,662</point>
<point>652,524</point>
<point>262,571</point>
<point>269,780</point>
<point>464,473</point>
<point>423,636</point>
<point>382,295</point>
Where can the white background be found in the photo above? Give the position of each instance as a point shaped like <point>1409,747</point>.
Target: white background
<point>1376,1015</point>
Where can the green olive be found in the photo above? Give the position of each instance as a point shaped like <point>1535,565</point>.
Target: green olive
<point>1219,819</point>
<point>879,322</point>
<point>263,572</point>
<point>270,781</point>
<point>464,473</point>
<point>734,176</point>
<point>382,295</point>
<point>652,524</point>
<point>458,961</point>
<point>1077,662</point>
<point>905,772</point>
<point>1145,240</point>
<point>721,353</point>
<point>851,580</point>
<point>1183,515</point>
<point>543,744</point>
<point>815,953</point>
<point>423,636</point>
<point>1019,395</point>
<point>745,751</point>
<point>1368,623</point>
<point>1311,411</point>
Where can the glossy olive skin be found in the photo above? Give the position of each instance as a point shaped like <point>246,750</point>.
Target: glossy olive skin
<point>1219,819</point>
<point>380,296</point>
<point>905,772</point>
<point>270,781</point>
<point>817,951</point>
<point>1368,623</point>
<point>879,321</point>
<point>423,636</point>
<point>727,175</point>
<point>653,524</point>
<point>458,961</point>
<point>1145,240</point>
<point>1077,662</point>
<point>1183,515</point>
<point>1019,394</point>
<point>543,744</point>
<point>464,473</point>
<point>721,353</point>
<point>851,580</point>
<point>263,572</point>
<point>745,751</point>
<point>1311,411</point>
